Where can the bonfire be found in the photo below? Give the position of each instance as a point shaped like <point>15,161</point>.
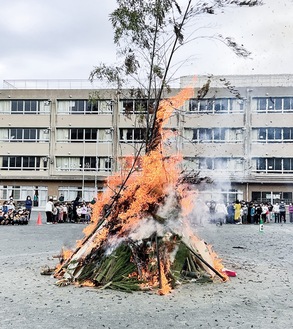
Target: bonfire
<point>140,237</point>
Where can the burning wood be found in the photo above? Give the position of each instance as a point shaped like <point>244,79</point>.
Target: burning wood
<point>140,237</point>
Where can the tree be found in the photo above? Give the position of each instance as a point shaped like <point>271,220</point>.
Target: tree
<point>147,34</point>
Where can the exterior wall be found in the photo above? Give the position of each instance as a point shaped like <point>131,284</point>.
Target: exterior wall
<point>63,163</point>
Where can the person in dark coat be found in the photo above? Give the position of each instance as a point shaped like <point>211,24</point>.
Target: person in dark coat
<point>74,207</point>
<point>28,206</point>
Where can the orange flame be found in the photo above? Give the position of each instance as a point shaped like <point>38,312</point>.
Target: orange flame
<point>154,176</point>
<point>165,286</point>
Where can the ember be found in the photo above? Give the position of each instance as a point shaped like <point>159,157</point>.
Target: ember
<point>140,237</point>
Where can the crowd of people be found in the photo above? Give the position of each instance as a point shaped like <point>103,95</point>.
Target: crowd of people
<point>68,212</point>
<point>242,212</point>
<point>11,215</point>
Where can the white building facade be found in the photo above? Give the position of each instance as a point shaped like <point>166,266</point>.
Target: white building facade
<point>68,138</point>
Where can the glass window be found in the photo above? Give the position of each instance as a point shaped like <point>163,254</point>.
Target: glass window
<point>261,164</point>
<point>78,106</point>
<point>261,104</point>
<point>139,134</point>
<point>278,134</point>
<point>195,134</point>
<point>140,106</point>
<point>278,104</point>
<point>220,163</point>
<point>92,106</point>
<point>205,135</point>
<point>221,105</point>
<point>256,196</point>
<point>127,105</point>
<point>219,134</point>
<point>287,134</point>
<point>262,134</point>
<point>76,134</point>
<point>16,106</point>
<point>271,134</point>
<point>210,105</point>
<point>90,163</point>
<point>278,164</point>
<point>90,134</point>
<point>28,107</point>
<point>287,197</point>
<point>287,103</point>
<point>193,105</point>
<point>209,163</point>
<point>203,106</point>
<point>287,164</point>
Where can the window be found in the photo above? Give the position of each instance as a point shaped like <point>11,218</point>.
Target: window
<point>76,134</point>
<point>77,106</point>
<point>136,106</point>
<point>84,106</point>
<point>261,164</point>
<point>221,105</point>
<point>270,135</point>
<point>288,165</point>
<point>213,135</point>
<point>262,134</point>
<point>86,164</point>
<point>28,135</point>
<point>213,163</point>
<point>274,165</point>
<point>29,107</point>
<point>287,135</point>
<point>90,134</point>
<point>288,103</point>
<point>271,196</point>
<point>134,135</point>
<point>81,135</point>
<point>21,163</point>
<point>219,134</point>
<point>274,104</point>
<point>215,105</point>
<point>274,134</point>
<point>205,135</point>
<point>89,163</point>
<point>104,164</point>
<point>193,105</point>
<point>220,163</point>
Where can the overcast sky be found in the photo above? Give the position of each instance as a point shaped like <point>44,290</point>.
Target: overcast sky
<point>65,39</point>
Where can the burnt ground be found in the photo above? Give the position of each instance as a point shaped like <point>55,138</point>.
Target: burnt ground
<point>259,297</point>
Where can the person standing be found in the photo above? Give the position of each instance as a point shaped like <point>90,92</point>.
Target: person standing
<point>282,208</point>
<point>36,200</point>
<point>28,206</point>
<point>276,211</point>
<point>244,213</point>
<point>237,214</point>
<point>49,211</point>
<point>253,215</point>
<point>74,209</point>
<point>290,209</point>
<point>221,213</point>
<point>61,197</point>
<point>231,212</point>
<point>264,212</point>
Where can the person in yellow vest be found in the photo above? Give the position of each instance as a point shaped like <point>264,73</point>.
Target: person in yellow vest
<point>237,214</point>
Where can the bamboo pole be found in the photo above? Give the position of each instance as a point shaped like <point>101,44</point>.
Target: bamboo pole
<point>206,263</point>
<point>158,261</point>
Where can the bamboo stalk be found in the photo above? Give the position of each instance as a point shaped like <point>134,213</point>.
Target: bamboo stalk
<point>158,261</point>
<point>206,263</point>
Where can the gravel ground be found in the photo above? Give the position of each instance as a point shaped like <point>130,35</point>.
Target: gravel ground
<point>259,297</point>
